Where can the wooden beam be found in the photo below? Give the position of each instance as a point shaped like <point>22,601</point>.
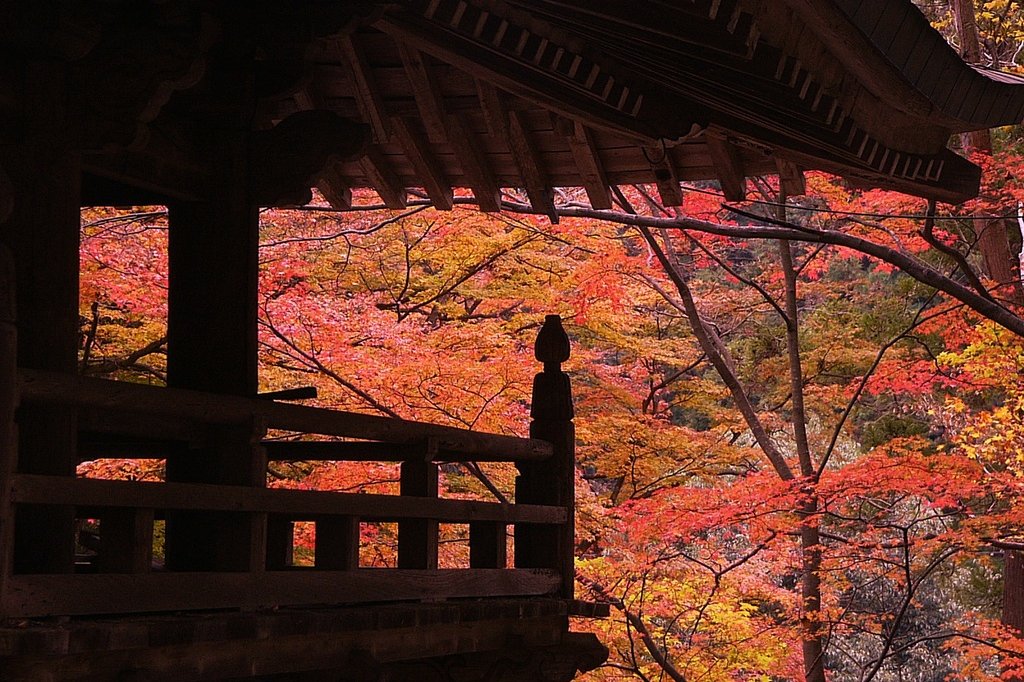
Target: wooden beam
<point>427,166</point>
<point>321,644</point>
<point>111,427</point>
<point>383,179</point>
<point>212,328</point>
<point>369,451</point>
<point>334,188</point>
<point>527,160</point>
<point>368,97</point>
<point>297,504</point>
<point>474,164</point>
<point>791,178</point>
<point>8,409</point>
<point>425,91</point>
<point>6,195</point>
<point>331,183</point>
<point>43,235</point>
<point>54,595</point>
<point>664,175</point>
<point>588,163</point>
<point>285,161</point>
<point>553,89</point>
<point>726,159</point>
<point>493,105</point>
<point>181,404</point>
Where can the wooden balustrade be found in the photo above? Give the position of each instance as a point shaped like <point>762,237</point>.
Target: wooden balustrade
<point>128,420</point>
<point>178,405</point>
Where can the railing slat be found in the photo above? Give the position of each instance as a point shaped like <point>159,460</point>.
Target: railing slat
<point>50,595</point>
<point>300,504</point>
<point>89,392</point>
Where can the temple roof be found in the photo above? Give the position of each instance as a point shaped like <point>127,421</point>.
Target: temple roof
<point>542,94</point>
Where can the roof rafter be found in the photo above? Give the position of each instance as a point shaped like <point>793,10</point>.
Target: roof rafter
<point>425,162</point>
<point>538,188</point>
<point>383,179</point>
<point>588,162</point>
<point>664,175</point>
<point>728,166</point>
<point>474,164</point>
<point>426,91</point>
<point>368,97</point>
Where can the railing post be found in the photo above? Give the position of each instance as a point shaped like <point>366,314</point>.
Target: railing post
<point>488,544</point>
<point>417,538</point>
<point>550,482</point>
<point>280,542</point>
<point>126,541</point>
<point>337,543</point>
<point>8,405</point>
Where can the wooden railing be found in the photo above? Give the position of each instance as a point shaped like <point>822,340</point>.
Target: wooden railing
<point>118,419</point>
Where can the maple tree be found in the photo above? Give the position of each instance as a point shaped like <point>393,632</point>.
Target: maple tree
<point>798,420</point>
<point>697,517</point>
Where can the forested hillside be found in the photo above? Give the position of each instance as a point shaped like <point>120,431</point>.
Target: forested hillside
<point>800,419</point>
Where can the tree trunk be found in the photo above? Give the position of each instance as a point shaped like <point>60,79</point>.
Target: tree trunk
<point>812,646</point>
<point>1001,264</point>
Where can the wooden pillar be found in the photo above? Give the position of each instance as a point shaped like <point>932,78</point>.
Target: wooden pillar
<point>213,248</point>
<point>8,406</point>
<point>42,232</point>
<point>417,538</point>
<point>550,482</point>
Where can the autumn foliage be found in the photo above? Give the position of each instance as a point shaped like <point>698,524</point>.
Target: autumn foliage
<point>879,528</point>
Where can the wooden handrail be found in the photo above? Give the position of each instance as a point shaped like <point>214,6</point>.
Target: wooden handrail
<point>299,504</point>
<point>87,392</point>
<point>115,446</point>
<point>366,451</point>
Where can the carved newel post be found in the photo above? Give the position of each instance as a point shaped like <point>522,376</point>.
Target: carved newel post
<point>552,481</point>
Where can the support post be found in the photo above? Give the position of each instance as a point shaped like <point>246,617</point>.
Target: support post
<point>212,346</point>
<point>417,538</point>
<point>550,482</point>
<point>8,406</point>
<point>42,232</point>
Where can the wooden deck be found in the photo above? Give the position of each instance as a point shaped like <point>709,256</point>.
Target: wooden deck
<point>466,637</point>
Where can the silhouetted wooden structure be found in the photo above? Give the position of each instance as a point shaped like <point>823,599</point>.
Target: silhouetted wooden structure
<point>218,109</point>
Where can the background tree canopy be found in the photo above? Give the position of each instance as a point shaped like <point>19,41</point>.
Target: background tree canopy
<point>800,420</point>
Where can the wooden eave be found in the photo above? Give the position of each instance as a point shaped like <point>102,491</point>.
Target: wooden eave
<point>646,87</point>
<point>543,94</point>
<point>896,54</point>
